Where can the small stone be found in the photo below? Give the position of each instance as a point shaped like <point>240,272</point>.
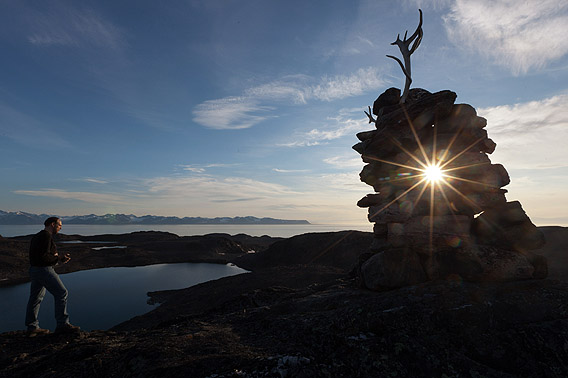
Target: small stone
<point>370,200</point>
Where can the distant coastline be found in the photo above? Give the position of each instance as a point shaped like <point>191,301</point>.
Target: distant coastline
<point>23,218</point>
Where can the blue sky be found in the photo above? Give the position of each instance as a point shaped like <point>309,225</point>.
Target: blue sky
<point>232,108</point>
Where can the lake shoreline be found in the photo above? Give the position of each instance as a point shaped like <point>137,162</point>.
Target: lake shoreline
<point>158,247</point>
<point>140,248</point>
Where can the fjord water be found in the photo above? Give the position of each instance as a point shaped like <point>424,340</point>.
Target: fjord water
<point>102,298</point>
<point>280,230</point>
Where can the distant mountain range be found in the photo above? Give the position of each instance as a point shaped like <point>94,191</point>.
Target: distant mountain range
<point>20,218</point>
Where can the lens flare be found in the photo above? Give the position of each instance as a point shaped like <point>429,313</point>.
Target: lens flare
<point>433,167</point>
<point>433,173</point>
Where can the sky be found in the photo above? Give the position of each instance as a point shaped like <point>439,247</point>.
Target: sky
<point>250,107</point>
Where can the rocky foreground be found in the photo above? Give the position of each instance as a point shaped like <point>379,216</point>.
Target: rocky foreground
<point>299,313</point>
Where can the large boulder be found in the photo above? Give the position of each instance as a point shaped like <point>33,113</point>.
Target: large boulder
<point>504,265</point>
<point>509,227</point>
<point>431,232</point>
<point>394,267</point>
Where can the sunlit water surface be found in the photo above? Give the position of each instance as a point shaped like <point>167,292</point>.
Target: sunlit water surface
<point>274,230</point>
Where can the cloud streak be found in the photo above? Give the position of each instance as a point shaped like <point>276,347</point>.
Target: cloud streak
<point>94,181</point>
<point>27,130</point>
<point>256,104</point>
<point>530,135</point>
<point>230,113</point>
<point>96,198</point>
<point>344,162</point>
<point>201,168</point>
<point>63,25</point>
<point>345,123</point>
<point>208,195</point>
<point>519,35</point>
<point>290,170</point>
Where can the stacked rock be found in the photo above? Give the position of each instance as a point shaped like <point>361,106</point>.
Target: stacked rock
<point>458,226</point>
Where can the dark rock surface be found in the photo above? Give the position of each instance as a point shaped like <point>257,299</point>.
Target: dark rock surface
<point>427,161</point>
<point>142,248</point>
<point>296,318</point>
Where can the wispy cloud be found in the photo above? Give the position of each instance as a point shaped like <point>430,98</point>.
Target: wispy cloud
<point>345,161</point>
<point>64,25</point>
<point>95,181</point>
<point>212,187</point>
<point>230,113</point>
<point>530,135</point>
<point>256,104</point>
<point>209,195</point>
<point>26,130</point>
<point>96,198</point>
<point>201,168</point>
<point>290,170</point>
<point>193,169</point>
<point>428,4</point>
<point>341,86</point>
<point>345,182</point>
<point>243,199</point>
<point>520,35</point>
<point>347,122</point>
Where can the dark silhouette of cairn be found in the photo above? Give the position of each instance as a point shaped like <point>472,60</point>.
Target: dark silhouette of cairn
<point>463,229</point>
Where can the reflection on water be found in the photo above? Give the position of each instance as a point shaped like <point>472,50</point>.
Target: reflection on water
<point>102,298</point>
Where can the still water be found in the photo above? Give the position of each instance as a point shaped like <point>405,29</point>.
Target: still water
<point>280,230</point>
<point>102,298</point>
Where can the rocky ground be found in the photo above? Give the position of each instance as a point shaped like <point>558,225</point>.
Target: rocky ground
<point>301,314</point>
<point>142,248</point>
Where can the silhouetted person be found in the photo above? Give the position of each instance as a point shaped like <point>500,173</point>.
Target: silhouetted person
<point>43,256</point>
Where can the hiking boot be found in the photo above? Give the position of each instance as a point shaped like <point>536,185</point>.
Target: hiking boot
<point>33,332</point>
<point>67,329</point>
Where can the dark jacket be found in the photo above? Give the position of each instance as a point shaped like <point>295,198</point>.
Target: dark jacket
<point>43,250</point>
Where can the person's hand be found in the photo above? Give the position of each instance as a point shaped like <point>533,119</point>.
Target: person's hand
<point>65,259</point>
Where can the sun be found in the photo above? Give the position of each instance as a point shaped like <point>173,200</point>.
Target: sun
<point>433,173</point>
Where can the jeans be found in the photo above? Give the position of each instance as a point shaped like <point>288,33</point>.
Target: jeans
<point>44,277</point>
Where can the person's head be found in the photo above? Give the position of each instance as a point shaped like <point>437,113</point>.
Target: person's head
<point>53,225</point>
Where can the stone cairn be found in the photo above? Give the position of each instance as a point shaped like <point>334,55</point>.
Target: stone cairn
<point>456,226</point>
<point>460,227</point>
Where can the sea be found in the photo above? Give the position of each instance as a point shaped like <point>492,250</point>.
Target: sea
<point>274,230</point>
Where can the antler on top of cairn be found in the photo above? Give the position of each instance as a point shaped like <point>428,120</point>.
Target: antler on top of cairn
<point>403,46</point>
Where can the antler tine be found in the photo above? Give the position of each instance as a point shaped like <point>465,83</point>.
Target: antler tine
<point>397,39</point>
<point>371,119</point>
<point>416,37</point>
<point>401,65</point>
<point>418,29</point>
<point>417,42</point>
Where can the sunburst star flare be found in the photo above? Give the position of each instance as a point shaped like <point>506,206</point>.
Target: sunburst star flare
<point>428,163</point>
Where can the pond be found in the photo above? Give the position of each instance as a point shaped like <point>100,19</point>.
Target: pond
<point>102,298</point>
